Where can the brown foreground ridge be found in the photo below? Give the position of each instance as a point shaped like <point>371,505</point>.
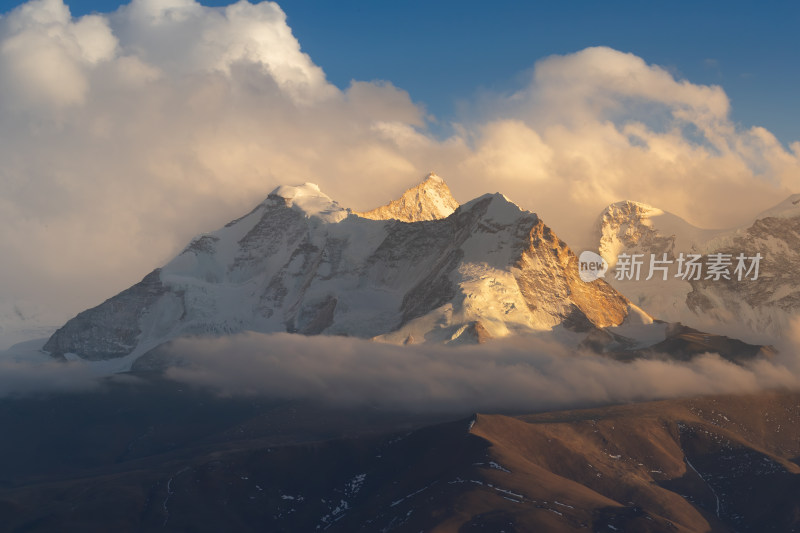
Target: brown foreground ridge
<point>722,463</point>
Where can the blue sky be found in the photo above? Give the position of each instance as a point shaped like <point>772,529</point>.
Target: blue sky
<point>446,52</point>
<point>443,51</point>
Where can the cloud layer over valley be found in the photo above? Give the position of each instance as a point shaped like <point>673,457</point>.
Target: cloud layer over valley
<point>511,375</point>
<point>516,374</point>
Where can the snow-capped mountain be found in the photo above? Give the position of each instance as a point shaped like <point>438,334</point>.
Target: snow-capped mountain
<point>757,308</point>
<point>300,262</point>
<point>430,200</point>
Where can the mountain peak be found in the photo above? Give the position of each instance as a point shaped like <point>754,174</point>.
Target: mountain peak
<point>309,199</point>
<point>290,192</point>
<point>498,207</point>
<point>789,208</point>
<point>635,227</point>
<point>433,177</point>
<point>631,207</point>
<point>429,200</point>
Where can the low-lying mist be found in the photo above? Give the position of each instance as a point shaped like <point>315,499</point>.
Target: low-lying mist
<point>512,375</point>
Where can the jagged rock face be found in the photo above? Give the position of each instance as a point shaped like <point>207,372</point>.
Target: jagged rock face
<point>301,263</point>
<point>767,303</point>
<point>113,328</point>
<point>764,306</point>
<point>430,200</point>
<point>503,272</point>
<point>626,226</point>
<point>550,276</point>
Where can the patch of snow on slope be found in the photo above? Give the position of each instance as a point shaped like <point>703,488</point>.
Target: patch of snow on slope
<point>640,328</point>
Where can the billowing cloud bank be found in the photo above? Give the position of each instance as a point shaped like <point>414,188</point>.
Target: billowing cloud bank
<point>503,376</point>
<point>124,134</point>
<point>515,374</point>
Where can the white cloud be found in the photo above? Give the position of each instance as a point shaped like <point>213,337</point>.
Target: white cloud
<point>511,375</point>
<point>603,125</point>
<point>600,82</point>
<point>44,54</point>
<point>515,375</point>
<point>188,117</point>
<point>183,36</point>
